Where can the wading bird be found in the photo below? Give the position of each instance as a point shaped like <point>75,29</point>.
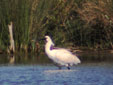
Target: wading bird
<point>60,56</point>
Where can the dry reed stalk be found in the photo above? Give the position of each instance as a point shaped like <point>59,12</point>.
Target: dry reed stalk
<point>12,45</point>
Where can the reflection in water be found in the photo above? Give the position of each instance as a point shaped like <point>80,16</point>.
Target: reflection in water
<point>83,74</point>
<point>12,59</point>
<point>59,71</point>
<point>43,59</point>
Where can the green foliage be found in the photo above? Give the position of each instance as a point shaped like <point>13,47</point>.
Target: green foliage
<point>21,28</point>
<point>4,20</point>
<point>82,23</point>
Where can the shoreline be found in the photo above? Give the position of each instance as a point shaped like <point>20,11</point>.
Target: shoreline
<point>83,54</point>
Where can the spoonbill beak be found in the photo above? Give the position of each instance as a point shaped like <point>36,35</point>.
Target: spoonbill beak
<point>43,39</point>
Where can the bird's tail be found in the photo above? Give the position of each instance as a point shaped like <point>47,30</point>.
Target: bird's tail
<point>77,60</point>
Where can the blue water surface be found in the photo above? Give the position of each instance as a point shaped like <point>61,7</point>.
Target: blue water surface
<point>84,74</point>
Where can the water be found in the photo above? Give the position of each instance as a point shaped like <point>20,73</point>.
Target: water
<point>83,74</point>
<point>38,70</point>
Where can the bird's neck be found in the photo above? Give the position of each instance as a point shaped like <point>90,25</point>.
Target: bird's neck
<point>48,46</point>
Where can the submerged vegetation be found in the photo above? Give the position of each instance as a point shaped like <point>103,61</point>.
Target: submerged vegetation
<point>81,23</point>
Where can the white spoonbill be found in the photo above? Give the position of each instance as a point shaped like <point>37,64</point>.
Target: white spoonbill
<point>60,56</point>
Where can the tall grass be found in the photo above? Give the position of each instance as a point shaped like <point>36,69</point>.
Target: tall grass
<point>4,19</point>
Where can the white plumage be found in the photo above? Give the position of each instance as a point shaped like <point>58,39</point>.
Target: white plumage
<point>60,56</point>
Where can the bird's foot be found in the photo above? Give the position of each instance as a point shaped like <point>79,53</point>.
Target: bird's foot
<point>68,68</point>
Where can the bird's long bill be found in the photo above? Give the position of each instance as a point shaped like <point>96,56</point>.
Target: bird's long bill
<point>42,39</point>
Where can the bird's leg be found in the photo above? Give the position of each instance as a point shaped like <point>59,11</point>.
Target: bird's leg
<point>68,68</point>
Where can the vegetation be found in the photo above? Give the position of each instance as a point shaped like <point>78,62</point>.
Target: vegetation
<point>83,23</point>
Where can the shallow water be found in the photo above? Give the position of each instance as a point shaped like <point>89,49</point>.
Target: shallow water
<point>83,74</point>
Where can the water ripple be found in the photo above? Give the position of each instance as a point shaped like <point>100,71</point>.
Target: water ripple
<point>49,75</point>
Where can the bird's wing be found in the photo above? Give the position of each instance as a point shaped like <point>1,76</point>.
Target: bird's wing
<point>65,56</point>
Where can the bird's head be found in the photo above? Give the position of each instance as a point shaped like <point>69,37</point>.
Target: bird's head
<point>49,40</point>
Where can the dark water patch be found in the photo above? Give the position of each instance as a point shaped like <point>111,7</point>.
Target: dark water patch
<point>96,55</point>
<point>31,59</point>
